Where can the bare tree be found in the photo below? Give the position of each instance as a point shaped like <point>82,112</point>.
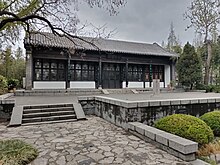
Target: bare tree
<point>58,16</point>
<point>204,17</point>
<point>172,40</point>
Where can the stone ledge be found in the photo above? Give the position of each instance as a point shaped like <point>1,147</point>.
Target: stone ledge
<point>5,96</point>
<point>178,146</point>
<point>149,103</point>
<point>16,117</point>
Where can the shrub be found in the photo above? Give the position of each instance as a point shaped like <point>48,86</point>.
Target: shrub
<point>13,83</point>
<point>209,88</point>
<point>200,87</point>
<point>186,126</point>
<point>3,85</point>
<point>3,82</point>
<point>16,152</point>
<point>212,119</point>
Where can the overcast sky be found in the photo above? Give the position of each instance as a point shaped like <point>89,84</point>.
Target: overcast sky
<point>143,20</point>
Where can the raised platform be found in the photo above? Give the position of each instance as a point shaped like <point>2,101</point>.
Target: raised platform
<point>126,109</point>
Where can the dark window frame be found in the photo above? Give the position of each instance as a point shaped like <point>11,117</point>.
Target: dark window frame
<point>59,72</point>
<point>158,70</point>
<point>89,71</point>
<point>135,72</point>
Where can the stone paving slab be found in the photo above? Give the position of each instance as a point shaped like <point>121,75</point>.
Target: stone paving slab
<point>94,141</point>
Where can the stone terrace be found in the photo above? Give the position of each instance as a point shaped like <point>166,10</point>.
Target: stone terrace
<point>94,141</point>
<point>28,100</point>
<point>164,96</point>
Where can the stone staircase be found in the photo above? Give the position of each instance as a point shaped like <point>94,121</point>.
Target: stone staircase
<point>45,114</point>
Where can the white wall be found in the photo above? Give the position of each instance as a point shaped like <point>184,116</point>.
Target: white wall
<point>162,84</point>
<point>140,85</point>
<point>49,85</point>
<point>167,75</point>
<point>123,84</point>
<point>82,84</point>
<point>147,85</point>
<point>133,84</point>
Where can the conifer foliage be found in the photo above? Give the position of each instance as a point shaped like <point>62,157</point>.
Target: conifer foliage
<point>189,67</point>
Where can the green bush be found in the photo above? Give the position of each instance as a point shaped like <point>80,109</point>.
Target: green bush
<point>3,82</point>
<point>212,119</point>
<point>13,83</point>
<point>200,87</point>
<point>3,85</point>
<point>16,152</point>
<point>186,126</point>
<point>210,88</point>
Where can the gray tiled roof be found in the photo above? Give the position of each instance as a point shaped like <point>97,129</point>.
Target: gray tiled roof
<point>51,40</point>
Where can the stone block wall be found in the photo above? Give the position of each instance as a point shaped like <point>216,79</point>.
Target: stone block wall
<point>180,147</point>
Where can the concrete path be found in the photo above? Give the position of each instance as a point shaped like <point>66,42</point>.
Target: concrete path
<point>94,141</point>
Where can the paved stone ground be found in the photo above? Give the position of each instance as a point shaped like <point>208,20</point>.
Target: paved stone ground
<point>94,141</point>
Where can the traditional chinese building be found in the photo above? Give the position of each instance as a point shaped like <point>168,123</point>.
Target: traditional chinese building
<point>55,62</point>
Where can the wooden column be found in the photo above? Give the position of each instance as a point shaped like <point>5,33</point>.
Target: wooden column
<point>68,73</point>
<point>144,75</point>
<point>151,75</point>
<point>126,73</point>
<point>100,73</point>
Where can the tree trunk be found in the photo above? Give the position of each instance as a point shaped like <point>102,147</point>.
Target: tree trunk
<point>208,63</point>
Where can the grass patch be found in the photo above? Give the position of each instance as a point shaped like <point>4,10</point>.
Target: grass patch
<point>205,159</point>
<point>210,148</point>
<point>16,152</point>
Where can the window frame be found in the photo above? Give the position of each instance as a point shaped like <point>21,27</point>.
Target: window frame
<point>89,70</point>
<point>42,68</point>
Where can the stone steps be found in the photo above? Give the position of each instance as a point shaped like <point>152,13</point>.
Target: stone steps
<point>40,114</point>
<point>27,111</point>
<point>47,114</point>
<point>51,118</point>
<point>44,106</point>
<point>50,122</point>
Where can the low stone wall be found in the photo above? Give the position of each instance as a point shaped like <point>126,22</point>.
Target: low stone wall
<point>6,106</point>
<point>61,92</point>
<point>182,148</point>
<point>120,112</point>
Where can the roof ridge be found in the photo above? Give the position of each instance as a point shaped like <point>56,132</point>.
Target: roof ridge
<point>105,39</point>
<point>48,39</point>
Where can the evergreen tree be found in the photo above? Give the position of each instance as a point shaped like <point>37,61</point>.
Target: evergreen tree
<point>7,62</point>
<point>19,66</point>
<point>12,64</point>
<point>204,17</point>
<point>189,67</point>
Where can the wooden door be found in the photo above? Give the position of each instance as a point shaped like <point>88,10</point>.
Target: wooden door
<point>111,76</point>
